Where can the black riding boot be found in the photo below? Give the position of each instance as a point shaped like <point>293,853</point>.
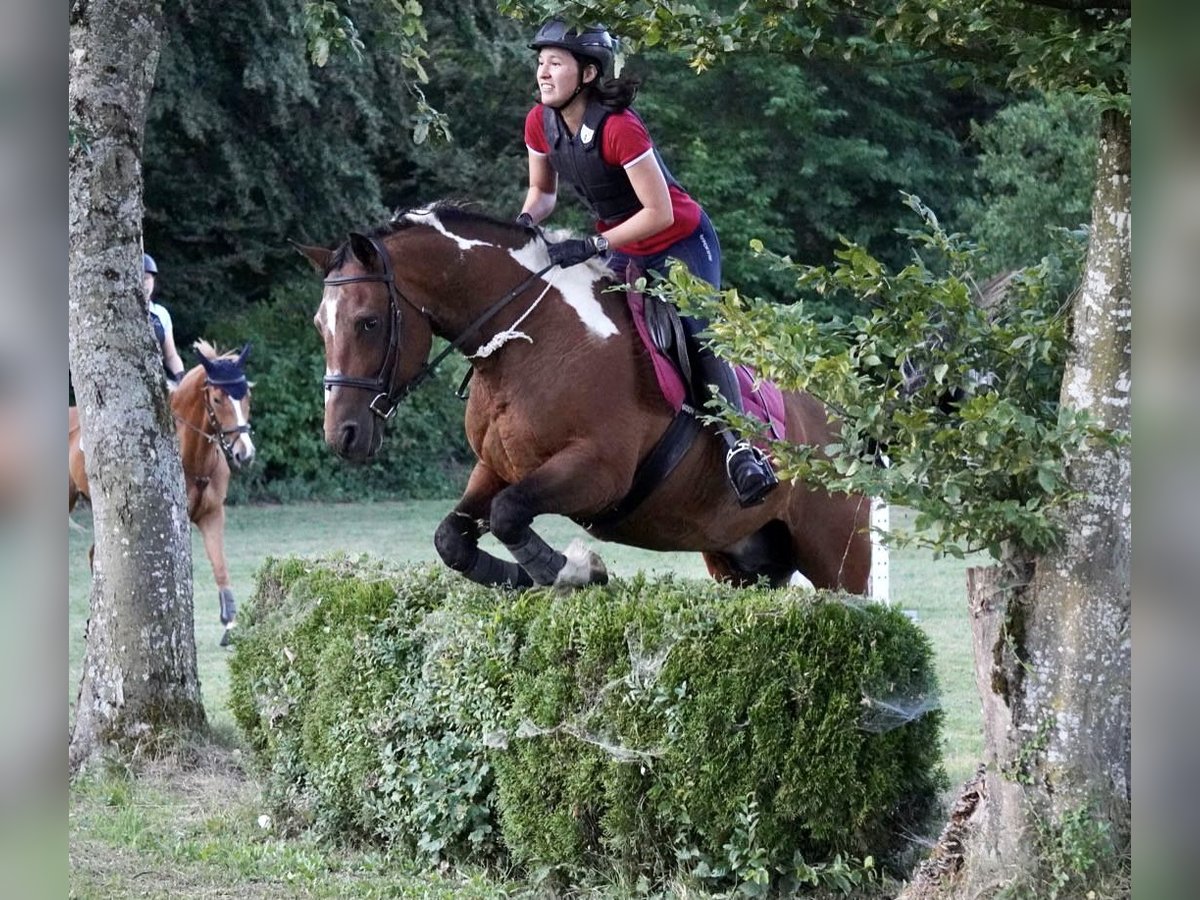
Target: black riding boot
<point>748,469</point>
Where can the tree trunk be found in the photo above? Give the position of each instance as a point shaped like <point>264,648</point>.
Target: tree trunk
<point>139,679</point>
<point>1052,638</point>
<point>1050,808</point>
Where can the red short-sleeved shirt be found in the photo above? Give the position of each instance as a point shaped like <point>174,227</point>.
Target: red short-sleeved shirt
<point>626,142</point>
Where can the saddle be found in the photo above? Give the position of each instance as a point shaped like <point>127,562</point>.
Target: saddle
<point>664,326</point>
<point>660,329</point>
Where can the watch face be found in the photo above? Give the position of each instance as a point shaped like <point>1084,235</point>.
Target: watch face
<point>601,243</point>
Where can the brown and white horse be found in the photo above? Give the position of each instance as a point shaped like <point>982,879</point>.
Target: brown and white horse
<point>563,408</point>
<point>212,418</point>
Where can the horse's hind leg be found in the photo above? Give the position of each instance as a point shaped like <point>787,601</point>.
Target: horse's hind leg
<point>831,538</point>
<point>212,529</point>
<point>457,537</point>
<point>765,554</point>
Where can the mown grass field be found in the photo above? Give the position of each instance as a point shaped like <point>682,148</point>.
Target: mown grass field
<point>190,826</point>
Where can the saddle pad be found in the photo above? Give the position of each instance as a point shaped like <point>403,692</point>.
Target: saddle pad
<point>763,399</point>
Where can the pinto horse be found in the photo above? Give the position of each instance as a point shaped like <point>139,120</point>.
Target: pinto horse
<point>563,409</point>
<point>211,407</point>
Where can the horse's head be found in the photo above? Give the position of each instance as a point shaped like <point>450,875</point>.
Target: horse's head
<point>375,339</point>
<point>227,400</point>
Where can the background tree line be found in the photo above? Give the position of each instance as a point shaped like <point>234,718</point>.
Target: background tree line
<point>794,151</point>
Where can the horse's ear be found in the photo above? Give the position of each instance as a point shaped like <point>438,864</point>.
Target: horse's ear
<point>245,352</point>
<point>318,256</point>
<point>361,247</point>
<point>204,360</point>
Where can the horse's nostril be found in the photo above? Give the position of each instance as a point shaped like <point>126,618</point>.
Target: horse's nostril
<point>349,433</point>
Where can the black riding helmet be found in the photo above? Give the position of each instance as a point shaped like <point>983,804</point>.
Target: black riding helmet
<point>594,44</point>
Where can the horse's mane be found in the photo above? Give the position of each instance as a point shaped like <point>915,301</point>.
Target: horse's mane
<point>451,212</point>
<point>207,349</point>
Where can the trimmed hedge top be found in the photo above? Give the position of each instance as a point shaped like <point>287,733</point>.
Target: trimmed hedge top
<point>666,728</point>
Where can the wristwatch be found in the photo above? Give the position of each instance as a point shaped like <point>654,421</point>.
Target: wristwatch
<point>600,242</point>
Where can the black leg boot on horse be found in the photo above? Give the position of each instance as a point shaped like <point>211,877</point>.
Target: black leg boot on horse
<point>748,470</point>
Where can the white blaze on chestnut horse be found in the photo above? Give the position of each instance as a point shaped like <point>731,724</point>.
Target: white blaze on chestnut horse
<point>563,409</point>
<point>211,407</point>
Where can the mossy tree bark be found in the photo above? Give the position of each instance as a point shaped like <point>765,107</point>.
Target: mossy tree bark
<point>1052,635</point>
<point>139,680</point>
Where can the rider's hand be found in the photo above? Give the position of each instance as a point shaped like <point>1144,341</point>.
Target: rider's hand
<point>525,219</point>
<point>575,251</point>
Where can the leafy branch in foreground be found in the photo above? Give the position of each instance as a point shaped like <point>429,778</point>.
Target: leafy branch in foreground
<point>958,389</point>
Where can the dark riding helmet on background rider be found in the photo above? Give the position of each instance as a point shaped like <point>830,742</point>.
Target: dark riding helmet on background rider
<point>591,44</point>
<point>148,264</point>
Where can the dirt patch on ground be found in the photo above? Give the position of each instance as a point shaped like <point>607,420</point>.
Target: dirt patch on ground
<point>100,870</point>
<point>130,828</point>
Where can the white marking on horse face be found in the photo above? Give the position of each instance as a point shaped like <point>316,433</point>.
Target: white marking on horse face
<point>329,308</point>
<point>247,445</point>
<point>427,217</point>
<point>576,284</point>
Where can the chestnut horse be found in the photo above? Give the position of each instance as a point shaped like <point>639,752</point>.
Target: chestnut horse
<point>563,408</point>
<point>212,418</point>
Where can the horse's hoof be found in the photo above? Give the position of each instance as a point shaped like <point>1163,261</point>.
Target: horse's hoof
<point>583,567</point>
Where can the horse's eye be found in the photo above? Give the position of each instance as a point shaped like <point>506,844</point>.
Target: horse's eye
<point>368,324</point>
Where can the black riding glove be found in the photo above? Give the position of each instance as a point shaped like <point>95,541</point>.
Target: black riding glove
<point>575,251</point>
<point>525,219</point>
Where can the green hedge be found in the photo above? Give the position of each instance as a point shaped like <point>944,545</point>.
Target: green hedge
<point>660,729</point>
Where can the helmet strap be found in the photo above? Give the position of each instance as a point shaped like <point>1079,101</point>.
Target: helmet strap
<point>583,64</point>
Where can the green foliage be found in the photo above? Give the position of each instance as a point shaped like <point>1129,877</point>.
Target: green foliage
<point>424,454</point>
<point>1057,47</point>
<point>272,148</point>
<point>1035,175</point>
<point>799,152</point>
<point>984,463</point>
<point>1076,857</point>
<point>663,729</point>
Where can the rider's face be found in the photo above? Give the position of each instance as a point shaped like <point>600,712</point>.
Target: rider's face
<point>148,285</point>
<point>557,75</point>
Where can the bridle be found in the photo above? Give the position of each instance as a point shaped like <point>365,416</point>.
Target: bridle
<point>221,435</point>
<point>387,398</point>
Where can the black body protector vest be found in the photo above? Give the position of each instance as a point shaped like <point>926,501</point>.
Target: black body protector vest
<point>603,188</point>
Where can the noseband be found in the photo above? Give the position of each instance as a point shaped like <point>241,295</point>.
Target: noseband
<point>386,398</point>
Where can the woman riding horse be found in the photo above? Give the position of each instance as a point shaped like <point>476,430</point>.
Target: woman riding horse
<point>585,132</point>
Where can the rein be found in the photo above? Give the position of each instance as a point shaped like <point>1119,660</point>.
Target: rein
<point>387,398</point>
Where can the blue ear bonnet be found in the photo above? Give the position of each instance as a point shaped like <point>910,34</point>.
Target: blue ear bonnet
<point>227,374</point>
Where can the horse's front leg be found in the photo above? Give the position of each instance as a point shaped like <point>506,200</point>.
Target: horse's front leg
<point>570,483</point>
<point>457,537</point>
<point>212,528</point>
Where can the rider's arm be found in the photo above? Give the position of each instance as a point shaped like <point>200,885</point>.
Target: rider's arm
<point>171,358</point>
<point>656,213</point>
<point>543,187</point>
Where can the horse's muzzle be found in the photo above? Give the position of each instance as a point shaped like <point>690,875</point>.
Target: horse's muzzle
<point>356,442</point>
<point>243,453</point>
